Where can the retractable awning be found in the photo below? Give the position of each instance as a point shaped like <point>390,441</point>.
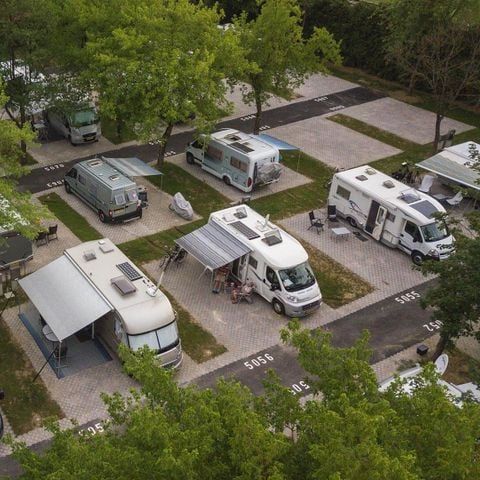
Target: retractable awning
<point>213,246</point>
<point>66,300</point>
<point>454,163</point>
<point>132,167</point>
<point>275,142</point>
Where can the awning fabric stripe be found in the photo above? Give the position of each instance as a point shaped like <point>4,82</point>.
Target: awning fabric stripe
<point>66,300</point>
<point>132,167</point>
<point>212,246</point>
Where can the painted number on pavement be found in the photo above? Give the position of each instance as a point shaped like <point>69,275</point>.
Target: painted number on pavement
<point>258,361</point>
<point>57,183</point>
<point>53,167</point>
<point>432,326</point>
<point>93,430</point>
<point>300,387</point>
<point>407,297</point>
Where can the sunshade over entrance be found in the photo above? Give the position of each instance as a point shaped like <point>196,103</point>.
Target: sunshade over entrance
<point>64,297</point>
<point>275,142</point>
<point>454,163</point>
<point>212,246</point>
<point>132,167</point>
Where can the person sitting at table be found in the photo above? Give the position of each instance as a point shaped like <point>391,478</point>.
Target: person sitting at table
<point>221,275</point>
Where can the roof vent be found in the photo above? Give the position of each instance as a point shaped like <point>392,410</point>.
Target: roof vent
<point>241,212</point>
<point>362,178</point>
<point>89,255</point>
<point>370,171</point>
<point>95,163</point>
<point>123,285</point>
<point>388,184</point>
<point>273,237</point>
<point>115,176</point>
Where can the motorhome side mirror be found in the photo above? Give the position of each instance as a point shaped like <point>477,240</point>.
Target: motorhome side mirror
<point>274,287</point>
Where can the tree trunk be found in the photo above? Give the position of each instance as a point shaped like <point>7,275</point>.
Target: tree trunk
<point>258,115</point>
<point>436,140</point>
<point>441,345</point>
<point>23,145</point>
<point>163,145</point>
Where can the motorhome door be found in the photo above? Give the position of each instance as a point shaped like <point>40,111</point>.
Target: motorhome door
<point>376,220</point>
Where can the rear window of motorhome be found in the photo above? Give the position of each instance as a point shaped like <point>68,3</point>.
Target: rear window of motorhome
<point>214,153</point>
<point>236,163</point>
<point>119,199</point>
<point>343,192</point>
<point>132,196</point>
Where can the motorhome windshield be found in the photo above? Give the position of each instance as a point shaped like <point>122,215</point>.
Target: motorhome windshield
<point>297,278</point>
<point>83,118</point>
<point>433,232</point>
<point>160,340</point>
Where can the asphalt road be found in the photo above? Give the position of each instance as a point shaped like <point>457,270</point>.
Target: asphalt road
<point>40,179</point>
<point>395,323</point>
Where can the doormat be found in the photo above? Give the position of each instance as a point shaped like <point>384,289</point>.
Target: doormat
<point>360,237</point>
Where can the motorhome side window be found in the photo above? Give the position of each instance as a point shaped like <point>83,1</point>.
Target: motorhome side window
<point>214,153</point>
<point>412,230</point>
<point>343,192</point>
<point>252,262</point>
<point>272,277</point>
<point>236,163</point>
<point>81,179</point>
<point>390,217</point>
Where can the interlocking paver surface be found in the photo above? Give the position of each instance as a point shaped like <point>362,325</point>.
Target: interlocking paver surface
<point>402,119</point>
<point>333,144</point>
<point>288,179</point>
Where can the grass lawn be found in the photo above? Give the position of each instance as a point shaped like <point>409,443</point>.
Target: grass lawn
<point>461,367</point>
<point>69,217</point>
<point>338,285</point>
<point>26,404</point>
<point>116,135</point>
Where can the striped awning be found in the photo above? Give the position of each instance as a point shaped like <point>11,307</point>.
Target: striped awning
<point>213,246</point>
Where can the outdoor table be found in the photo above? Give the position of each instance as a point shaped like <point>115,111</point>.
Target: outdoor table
<point>341,232</point>
<point>440,196</point>
<point>49,335</point>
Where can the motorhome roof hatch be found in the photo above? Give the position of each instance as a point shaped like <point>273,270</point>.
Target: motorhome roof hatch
<point>89,255</point>
<point>243,147</point>
<point>388,184</point>
<point>362,178</point>
<point>410,196</point>
<point>123,285</point>
<point>370,171</point>
<point>273,237</point>
<point>95,163</point>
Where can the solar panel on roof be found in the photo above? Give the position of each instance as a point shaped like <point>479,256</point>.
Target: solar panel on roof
<point>128,270</point>
<point>425,208</point>
<point>242,147</point>
<point>245,230</point>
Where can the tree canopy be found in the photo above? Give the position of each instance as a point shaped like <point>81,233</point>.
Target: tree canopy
<point>280,58</point>
<point>348,431</point>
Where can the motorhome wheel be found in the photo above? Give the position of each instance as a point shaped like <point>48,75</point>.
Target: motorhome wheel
<point>352,222</point>
<point>227,180</point>
<point>71,143</point>
<point>68,188</point>
<point>190,159</point>
<point>278,307</point>
<point>102,217</point>
<point>417,258</point>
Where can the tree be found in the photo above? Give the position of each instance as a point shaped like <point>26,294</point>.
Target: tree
<point>280,59</point>
<point>16,210</point>
<point>437,44</point>
<point>163,62</point>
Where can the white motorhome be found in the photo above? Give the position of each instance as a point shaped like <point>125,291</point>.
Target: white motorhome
<point>277,265</point>
<point>391,212</point>
<point>140,313</point>
<point>239,159</point>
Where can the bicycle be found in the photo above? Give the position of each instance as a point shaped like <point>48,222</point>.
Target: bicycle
<point>175,255</point>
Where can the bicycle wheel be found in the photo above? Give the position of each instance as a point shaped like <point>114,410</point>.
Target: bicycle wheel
<point>180,256</point>
<point>164,261</point>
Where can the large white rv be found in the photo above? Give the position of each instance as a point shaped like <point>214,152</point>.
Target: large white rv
<point>391,212</point>
<point>277,265</point>
<point>239,159</point>
<point>140,313</point>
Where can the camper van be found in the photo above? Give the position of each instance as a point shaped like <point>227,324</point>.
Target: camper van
<point>113,195</point>
<point>277,264</point>
<point>78,126</point>
<point>239,159</point>
<point>391,212</point>
<point>140,313</point>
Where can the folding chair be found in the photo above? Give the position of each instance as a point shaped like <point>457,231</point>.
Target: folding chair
<point>332,213</point>
<point>41,237</point>
<point>426,185</point>
<point>52,232</point>
<point>455,200</point>
<point>315,222</point>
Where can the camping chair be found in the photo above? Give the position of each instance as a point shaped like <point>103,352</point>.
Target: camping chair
<point>332,213</point>
<point>41,237</point>
<point>455,200</point>
<point>426,185</point>
<point>315,222</point>
<point>52,232</point>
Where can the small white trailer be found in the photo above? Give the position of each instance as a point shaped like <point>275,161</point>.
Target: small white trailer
<point>391,212</point>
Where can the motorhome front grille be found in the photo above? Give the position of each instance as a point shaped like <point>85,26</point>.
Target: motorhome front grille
<point>309,306</point>
<point>245,230</point>
<point>128,270</point>
<point>242,147</point>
